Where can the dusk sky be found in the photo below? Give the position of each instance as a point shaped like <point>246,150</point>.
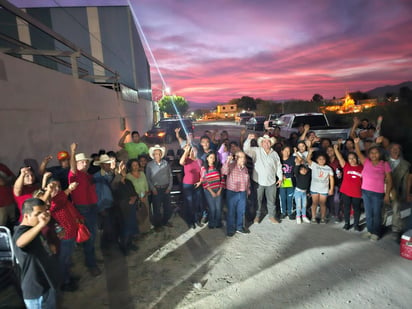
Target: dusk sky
<point>213,51</point>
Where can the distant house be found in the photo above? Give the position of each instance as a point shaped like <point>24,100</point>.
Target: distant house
<point>226,110</point>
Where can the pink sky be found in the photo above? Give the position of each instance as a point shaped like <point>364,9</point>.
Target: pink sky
<point>216,50</point>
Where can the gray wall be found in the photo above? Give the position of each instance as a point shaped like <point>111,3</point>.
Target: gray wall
<point>42,111</point>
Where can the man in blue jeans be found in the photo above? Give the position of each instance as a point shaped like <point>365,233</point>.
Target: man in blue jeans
<point>38,265</point>
<point>84,198</point>
<point>238,188</point>
<point>160,180</point>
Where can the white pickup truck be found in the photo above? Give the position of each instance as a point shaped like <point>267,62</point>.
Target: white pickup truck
<point>318,122</point>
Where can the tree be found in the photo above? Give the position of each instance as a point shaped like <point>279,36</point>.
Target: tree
<point>247,103</point>
<point>317,98</point>
<point>166,104</point>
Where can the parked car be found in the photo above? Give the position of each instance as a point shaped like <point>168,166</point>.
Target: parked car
<point>256,123</point>
<point>164,131</point>
<point>241,118</point>
<point>318,122</point>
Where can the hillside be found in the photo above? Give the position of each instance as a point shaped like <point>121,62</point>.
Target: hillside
<point>382,91</point>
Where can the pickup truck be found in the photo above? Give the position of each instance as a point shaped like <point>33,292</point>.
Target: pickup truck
<point>271,121</point>
<point>318,122</point>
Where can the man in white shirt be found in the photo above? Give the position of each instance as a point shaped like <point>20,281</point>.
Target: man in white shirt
<point>267,172</point>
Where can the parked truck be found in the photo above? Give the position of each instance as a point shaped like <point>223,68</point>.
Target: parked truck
<point>318,122</point>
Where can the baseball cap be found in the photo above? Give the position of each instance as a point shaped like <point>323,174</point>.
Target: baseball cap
<point>62,155</point>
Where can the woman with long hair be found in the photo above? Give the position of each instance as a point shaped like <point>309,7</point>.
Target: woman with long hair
<point>211,179</point>
<point>376,188</point>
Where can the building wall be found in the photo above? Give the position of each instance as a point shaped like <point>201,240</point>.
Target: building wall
<point>43,111</point>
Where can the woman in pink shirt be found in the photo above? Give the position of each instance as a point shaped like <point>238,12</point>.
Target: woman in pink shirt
<point>376,185</point>
<point>191,186</point>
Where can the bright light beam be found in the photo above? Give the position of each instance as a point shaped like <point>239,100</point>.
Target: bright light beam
<point>164,86</point>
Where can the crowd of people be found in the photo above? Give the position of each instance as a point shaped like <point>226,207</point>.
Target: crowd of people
<point>226,183</point>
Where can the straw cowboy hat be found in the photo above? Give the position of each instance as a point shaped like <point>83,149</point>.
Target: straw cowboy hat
<point>81,157</point>
<point>266,137</point>
<point>157,147</point>
<point>104,158</point>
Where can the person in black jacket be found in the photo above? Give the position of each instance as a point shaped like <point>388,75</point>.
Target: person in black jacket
<point>303,177</point>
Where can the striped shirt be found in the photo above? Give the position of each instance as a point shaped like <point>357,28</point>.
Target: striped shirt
<point>237,178</point>
<point>211,178</point>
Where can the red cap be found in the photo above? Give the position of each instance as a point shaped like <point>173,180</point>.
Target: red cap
<point>62,155</point>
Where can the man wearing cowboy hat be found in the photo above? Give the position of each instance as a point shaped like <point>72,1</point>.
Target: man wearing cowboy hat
<point>267,167</point>
<point>160,180</point>
<point>103,179</point>
<point>84,198</point>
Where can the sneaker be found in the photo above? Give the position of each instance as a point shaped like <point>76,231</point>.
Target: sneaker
<point>256,220</point>
<point>230,234</point>
<point>282,216</point>
<point>357,228</point>
<point>273,220</point>
<point>322,221</point>
<point>243,231</point>
<point>366,235</point>
<point>291,217</point>
<point>305,219</point>
<point>346,227</point>
<point>313,220</point>
<point>374,237</point>
<point>298,220</point>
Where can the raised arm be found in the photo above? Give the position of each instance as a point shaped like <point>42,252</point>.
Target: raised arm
<point>43,165</point>
<point>339,155</point>
<point>248,149</point>
<point>122,138</point>
<point>355,124</point>
<point>27,237</point>
<point>310,152</point>
<point>179,138</point>
<point>306,129</point>
<point>18,184</point>
<point>185,154</point>
<point>73,165</point>
<point>361,157</point>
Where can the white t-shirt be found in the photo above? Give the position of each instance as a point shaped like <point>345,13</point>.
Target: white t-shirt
<point>320,178</point>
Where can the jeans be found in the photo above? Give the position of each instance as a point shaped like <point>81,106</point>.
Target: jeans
<point>215,209</point>
<point>89,212</point>
<point>161,200</point>
<point>65,253</point>
<point>46,301</point>
<point>193,211</point>
<point>373,203</point>
<point>286,200</point>
<point>270,193</point>
<point>347,202</point>
<point>300,201</point>
<point>236,204</point>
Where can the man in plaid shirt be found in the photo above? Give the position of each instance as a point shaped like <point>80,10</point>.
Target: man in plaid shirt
<point>238,187</point>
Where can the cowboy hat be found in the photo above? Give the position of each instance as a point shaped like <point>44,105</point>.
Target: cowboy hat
<point>104,158</point>
<point>81,157</point>
<point>266,137</point>
<point>157,147</point>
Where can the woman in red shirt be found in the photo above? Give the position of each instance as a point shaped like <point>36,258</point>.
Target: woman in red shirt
<point>350,187</point>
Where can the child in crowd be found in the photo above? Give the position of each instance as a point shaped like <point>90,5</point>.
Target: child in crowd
<point>303,177</point>
<point>322,184</point>
<point>286,188</point>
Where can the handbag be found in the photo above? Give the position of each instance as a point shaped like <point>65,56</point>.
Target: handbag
<point>83,233</point>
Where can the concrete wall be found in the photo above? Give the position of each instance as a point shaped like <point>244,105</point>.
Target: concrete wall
<point>42,111</point>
